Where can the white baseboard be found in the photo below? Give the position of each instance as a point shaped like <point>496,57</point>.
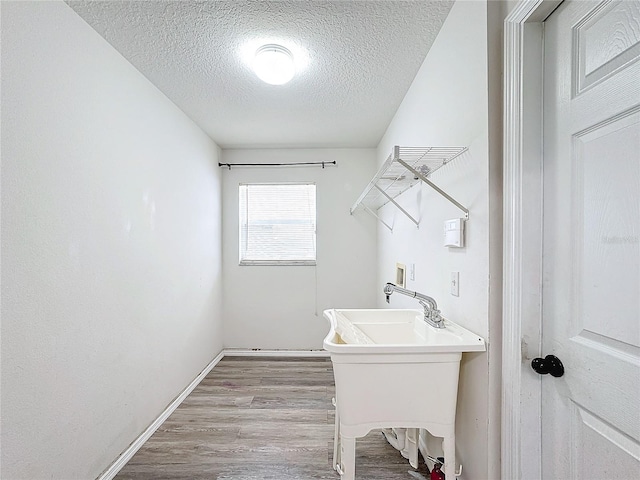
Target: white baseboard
<point>250,352</point>
<point>125,456</point>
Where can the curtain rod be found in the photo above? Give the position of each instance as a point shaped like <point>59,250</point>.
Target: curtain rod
<point>229,165</point>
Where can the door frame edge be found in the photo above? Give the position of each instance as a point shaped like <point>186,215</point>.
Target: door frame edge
<point>522,237</point>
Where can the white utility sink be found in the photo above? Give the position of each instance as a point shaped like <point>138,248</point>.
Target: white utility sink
<point>399,330</point>
<point>393,370</point>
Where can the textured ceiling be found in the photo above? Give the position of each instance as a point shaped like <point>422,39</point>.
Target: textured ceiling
<point>357,60</point>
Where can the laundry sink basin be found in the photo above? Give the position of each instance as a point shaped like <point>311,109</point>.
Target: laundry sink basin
<point>393,370</point>
<point>396,330</point>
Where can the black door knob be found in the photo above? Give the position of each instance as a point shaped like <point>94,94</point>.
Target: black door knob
<point>549,364</point>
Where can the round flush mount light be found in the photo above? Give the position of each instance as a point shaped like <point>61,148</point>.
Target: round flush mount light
<point>274,64</point>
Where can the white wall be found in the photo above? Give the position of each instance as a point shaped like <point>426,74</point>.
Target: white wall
<point>111,251</point>
<point>277,307</point>
<point>447,105</point>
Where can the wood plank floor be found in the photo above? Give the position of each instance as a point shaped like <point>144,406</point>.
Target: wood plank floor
<point>260,419</point>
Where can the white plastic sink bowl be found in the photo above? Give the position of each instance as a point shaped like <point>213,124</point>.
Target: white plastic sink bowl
<point>387,330</point>
<point>393,370</point>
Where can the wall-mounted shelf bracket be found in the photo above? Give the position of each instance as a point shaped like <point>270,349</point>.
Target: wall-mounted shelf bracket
<point>397,205</point>
<point>379,219</point>
<point>405,167</point>
<point>436,188</point>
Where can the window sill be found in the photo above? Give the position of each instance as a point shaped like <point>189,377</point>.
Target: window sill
<point>281,263</point>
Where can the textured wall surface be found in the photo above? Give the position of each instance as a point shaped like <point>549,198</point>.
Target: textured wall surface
<point>111,263</point>
<point>357,60</point>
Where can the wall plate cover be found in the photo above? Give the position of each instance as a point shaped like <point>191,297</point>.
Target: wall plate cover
<point>455,284</point>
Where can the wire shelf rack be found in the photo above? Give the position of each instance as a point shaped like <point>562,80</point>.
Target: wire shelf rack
<point>405,167</point>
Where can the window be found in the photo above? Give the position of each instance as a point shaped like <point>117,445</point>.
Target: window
<point>278,224</point>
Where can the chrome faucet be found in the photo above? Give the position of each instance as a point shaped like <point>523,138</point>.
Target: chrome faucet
<point>431,313</point>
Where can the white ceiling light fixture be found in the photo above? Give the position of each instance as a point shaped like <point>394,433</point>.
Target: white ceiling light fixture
<point>274,64</point>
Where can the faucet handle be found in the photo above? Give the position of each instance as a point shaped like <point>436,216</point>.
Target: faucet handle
<point>436,316</point>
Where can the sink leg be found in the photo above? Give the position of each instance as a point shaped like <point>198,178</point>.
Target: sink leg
<point>412,446</point>
<point>348,457</point>
<point>337,457</point>
<point>449,450</point>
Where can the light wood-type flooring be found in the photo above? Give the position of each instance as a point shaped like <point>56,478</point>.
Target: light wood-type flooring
<point>256,418</point>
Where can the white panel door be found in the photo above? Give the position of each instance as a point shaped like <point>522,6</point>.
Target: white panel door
<point>591,243</point>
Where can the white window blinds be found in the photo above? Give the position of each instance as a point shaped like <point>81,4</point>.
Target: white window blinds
<point>277,224</point>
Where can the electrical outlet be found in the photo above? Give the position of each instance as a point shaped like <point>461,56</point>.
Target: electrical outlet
<point>455,284</point>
